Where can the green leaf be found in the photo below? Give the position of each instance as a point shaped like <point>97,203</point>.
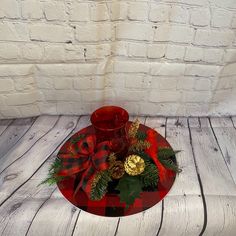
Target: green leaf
<point>166,157</point>
<point>130,188</point>
<point>99,185</point>
<point>150,176</point>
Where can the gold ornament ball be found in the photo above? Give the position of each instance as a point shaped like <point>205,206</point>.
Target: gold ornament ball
<point>134,165</point>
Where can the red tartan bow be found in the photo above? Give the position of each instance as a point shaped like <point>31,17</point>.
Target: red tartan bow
<point>84,156</point>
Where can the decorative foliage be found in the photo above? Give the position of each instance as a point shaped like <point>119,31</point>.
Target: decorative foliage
<point>165,155</point>
<point>134,165</point>
<point>130,189</point>
<point>99,185</point>
<point>150,176</point>
<point>140,135</point>
<point>137,138</point>
<point>52,177</point>
<point>133,129</point>
<point>112,158</point>
<point>117,170</point>
<point>98,166</point>
<point>139,146</point>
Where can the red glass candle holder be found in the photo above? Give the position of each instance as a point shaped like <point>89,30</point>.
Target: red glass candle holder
<point>110,123</point>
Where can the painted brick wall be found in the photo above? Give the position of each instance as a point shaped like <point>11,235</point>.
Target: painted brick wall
<point>167,57</point>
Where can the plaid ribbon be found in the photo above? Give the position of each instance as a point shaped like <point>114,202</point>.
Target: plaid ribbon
<point>85,157</point>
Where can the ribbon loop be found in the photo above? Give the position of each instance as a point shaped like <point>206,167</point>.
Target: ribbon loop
<point>89,159</point>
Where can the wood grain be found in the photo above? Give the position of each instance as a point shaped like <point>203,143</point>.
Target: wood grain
<point>218,185</point>
<point>29,209</point>
<point>183,206</point>
<point>16,175</point>
<point>226,138</point>
<point>13,133</point>
<point>41,127</point>
<point>29,199</point>
<point>4,124</point>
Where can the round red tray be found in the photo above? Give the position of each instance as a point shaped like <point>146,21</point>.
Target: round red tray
<point>110,205</point>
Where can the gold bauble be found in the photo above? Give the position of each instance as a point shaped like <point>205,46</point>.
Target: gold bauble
<point>117,170</point>
<point>134,165</point>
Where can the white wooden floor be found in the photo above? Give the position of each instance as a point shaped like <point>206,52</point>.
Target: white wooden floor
<point>201,202</point>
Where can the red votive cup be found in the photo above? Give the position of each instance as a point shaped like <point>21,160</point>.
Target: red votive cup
<point>109,123</point>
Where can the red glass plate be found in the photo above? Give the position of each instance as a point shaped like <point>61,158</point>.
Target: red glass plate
<point>110,204</point>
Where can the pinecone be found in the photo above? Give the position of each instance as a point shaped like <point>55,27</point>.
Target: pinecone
<point>117,170</point>
<point>134,165</point>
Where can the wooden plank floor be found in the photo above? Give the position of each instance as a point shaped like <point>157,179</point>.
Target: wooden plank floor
<point>201,202</point>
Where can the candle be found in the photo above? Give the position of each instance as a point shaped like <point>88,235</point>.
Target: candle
<point>110,123</point>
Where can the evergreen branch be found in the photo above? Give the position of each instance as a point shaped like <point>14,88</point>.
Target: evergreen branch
<point>140,135</point>
<point>166,152</point>
<point>166,157</point>
<point>150,176</point>
<point>144,156</point>
<point>170,164</point>
<point>52,177</point>
<point>99,185</point>
<point>139,146</point>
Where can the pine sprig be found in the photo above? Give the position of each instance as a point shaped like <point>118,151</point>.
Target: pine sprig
<point>170,164</point>
<point>166,157</point>
<point>140,135</point>
<point>150,176</point>
<point>99,185</point>
<point>144,156</point>
<point>139,146</point>
<point>52,177</point>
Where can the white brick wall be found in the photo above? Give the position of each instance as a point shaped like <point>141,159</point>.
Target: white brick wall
<point>170,57</point>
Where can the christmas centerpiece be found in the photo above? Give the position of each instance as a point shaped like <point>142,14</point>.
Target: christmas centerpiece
<point>114,162</point>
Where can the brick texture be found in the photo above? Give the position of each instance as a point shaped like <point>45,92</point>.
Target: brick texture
<point>170,57</point>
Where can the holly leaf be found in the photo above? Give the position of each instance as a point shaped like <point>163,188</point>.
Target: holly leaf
<point>130,188</point>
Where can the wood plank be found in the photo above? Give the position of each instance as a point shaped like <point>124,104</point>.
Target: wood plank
<point>27,201</point>
<point>226,138</point>
<point>148,222</point>
<point>57,217</point>
<point>93,225</point>
<point>59,214</point>
<point>20,171</point>
<point>234,121</point>
<point>4,124</point>
<point>218,186</point>
<point>13,133</point>
<point>40,128</point>
<point>183,206</point>
<point>18,211</point>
